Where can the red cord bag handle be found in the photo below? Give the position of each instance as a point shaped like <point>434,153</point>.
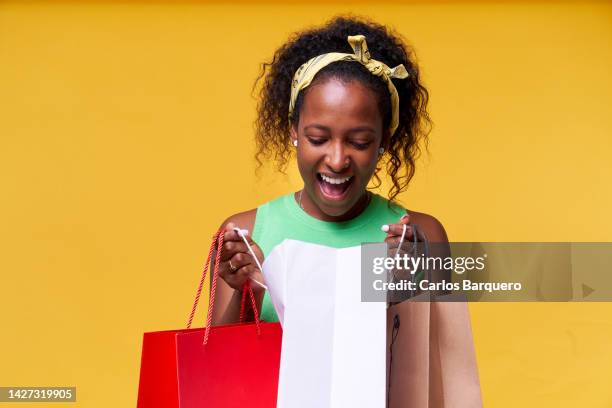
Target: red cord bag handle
<point>218,243</point>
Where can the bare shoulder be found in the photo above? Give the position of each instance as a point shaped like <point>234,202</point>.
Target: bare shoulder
<point>244,220</point>
<point>434,230</point>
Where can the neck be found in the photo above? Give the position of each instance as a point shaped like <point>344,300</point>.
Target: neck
<point>310,208</point>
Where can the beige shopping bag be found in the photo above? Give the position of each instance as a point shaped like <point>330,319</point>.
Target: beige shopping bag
<point>431,361</point>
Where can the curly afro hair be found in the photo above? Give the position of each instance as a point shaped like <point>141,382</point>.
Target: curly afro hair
<point>272,124</point>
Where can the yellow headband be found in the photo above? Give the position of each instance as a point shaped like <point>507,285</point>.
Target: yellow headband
<point>306,72</point>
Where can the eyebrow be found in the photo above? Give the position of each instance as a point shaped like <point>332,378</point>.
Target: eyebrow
<point>327,129</point>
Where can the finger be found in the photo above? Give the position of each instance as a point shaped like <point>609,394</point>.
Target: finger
<point>231,235</point>
<point>228,231</point>
<point>249,270</point>
<point>242,274</point>
<point>405,220</point>
<point>256,249</point>
<point>397,230</point>
<point>230,248</point>
<point>236,279</point>
<point>393,243</point>
<point>227,271</point>
<point>234,267</point>
<point>240,260</point>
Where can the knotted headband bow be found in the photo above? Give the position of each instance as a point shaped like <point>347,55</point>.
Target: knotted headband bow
<point>307,71</point>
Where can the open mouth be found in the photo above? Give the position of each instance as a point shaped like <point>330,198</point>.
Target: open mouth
<point>334,188</point>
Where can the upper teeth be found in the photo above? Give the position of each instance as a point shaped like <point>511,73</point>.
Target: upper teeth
<point>331,180</point>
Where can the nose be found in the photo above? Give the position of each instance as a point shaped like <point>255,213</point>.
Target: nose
<point>336,158</point>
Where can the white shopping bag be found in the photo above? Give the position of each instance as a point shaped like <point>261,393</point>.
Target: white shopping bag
<point>333,348</point>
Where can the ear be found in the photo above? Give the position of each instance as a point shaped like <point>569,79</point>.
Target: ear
<point>293,133</point>
<point>384,143</point>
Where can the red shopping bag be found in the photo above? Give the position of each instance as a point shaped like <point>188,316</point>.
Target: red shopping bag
<point>226,366</point>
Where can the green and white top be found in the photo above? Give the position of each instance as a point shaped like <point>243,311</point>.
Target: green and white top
<point>282,218</point>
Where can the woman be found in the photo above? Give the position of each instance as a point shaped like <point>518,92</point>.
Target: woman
<point>346,118</point>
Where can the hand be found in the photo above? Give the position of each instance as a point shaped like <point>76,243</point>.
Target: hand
<point>394,234</point>
<point>242,266</point>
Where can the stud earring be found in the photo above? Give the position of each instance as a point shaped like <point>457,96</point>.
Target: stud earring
<point>381,150</point>
<point>295,142</point>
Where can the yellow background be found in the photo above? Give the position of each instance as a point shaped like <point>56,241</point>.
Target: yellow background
<point>126,138</point>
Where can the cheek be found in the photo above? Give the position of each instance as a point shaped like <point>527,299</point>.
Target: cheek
<point>367,164</point>
<point>305,162</point>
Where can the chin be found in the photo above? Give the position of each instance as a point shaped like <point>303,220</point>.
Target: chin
<point>336,208</point>
<point>335,211</point>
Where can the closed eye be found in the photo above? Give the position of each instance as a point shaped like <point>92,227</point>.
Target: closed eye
<point>361,146</point>
<point>316,142</point>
